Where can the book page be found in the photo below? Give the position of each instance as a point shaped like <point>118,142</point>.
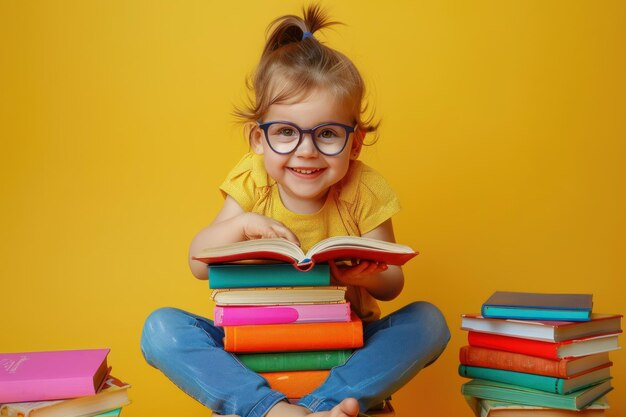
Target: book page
<point>271,245</point>
<point>357,242</point>
<point>25,408</point>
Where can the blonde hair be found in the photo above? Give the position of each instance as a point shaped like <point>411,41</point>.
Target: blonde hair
<point>294,63</point>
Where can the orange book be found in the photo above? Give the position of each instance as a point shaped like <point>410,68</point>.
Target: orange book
<point>295,384</point>
<point>294,336</point>
<point>518,362</point>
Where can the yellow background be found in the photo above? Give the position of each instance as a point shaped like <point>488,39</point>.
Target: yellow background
<point>503,133</point>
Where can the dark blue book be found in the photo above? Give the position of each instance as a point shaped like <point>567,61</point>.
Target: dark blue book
<point>538,306</point>
<point>266,275</point>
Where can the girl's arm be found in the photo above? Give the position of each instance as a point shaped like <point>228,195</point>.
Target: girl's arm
<point>384,282</point>
<point>233,224</point>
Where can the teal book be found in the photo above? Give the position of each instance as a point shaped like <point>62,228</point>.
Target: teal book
<point>538,382</point>
<point>267,275</point>
<point>498,391</point>
<point>538,306</point>
<point>295,361</point>
<point>112,413</point>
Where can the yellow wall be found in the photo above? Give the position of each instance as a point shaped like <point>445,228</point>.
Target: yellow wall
<point>503,133</point>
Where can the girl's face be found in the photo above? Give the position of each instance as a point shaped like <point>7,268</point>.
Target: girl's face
<point>305,175</point>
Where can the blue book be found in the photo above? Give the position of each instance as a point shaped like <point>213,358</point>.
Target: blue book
<point>538,306</point>
<point>267,275</point>
<point>538,382</point>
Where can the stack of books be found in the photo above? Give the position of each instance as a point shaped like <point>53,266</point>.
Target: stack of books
<point>68,383</point>
<point>538,354</point>
<point>290,326</point>
<point>281,316</point>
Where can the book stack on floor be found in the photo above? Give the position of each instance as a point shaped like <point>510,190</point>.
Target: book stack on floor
<point>534,354</point>
<point>281,316</point>
<point>68,383</point>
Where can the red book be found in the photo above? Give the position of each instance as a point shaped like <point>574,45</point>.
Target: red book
<point>550,350</point>
<point>332,248</point>
<point>510,361</point>
<point>293,337</point>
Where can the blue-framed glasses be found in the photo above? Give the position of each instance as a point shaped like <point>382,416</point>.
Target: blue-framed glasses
<point>329,139</point>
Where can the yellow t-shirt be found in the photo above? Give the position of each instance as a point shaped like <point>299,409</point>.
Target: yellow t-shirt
<point>357,204</point>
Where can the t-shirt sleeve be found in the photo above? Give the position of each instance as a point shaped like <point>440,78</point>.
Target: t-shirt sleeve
<point>239,183</point>
<point>376,201</point>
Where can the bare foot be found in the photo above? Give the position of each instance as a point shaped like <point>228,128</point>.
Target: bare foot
<point>347,408</point>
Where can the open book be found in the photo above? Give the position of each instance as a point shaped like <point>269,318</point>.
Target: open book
<point>336,248</point>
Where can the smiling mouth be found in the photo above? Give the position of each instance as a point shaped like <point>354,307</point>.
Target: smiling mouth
<point>306,171</point>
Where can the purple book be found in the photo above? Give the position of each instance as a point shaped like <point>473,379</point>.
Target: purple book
<point>295,313</point>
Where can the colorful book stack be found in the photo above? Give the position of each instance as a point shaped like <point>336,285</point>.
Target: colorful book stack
<point>280,314</point>
<point>538,354</point>
<point>290,326</point>
<point>68,383</point>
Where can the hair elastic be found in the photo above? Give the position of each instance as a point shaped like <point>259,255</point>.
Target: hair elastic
<point>306,35</point>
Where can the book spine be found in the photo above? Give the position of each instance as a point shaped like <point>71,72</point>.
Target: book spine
<point>254,315</point>
<point>539,382</point>
<point>495,312</point>
<point>295,384</point>
<point>491,358</point>
<point>512,394</point>
<point>295,361</point>
<point>538,348</point>
<point>294,337</point>
<point>267,275</point>
<point>112,413</point>
<point>296,313</point>
<point>262,296</point>
<point>43,390</point>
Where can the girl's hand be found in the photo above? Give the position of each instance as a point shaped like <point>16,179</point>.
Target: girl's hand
<point>257,226</point>
<point>358,273</point>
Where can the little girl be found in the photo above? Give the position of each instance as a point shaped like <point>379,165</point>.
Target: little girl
<point>303,182</point>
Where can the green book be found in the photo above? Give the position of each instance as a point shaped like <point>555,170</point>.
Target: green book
<point>539,382</point>
<point>295,361</point>
<point>267,275</point>
<point>499,391</point>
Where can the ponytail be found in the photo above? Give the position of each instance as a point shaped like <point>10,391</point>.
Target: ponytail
<point>292,29</point>
<point>294,62</point>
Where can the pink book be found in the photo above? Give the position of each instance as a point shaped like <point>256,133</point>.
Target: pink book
<point>39,376</point>
<point>294,313</point>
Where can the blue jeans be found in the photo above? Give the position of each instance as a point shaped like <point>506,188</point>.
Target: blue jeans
<point>189,350</point>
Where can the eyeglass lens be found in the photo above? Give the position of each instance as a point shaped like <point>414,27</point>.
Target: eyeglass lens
<point>329,139</point>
